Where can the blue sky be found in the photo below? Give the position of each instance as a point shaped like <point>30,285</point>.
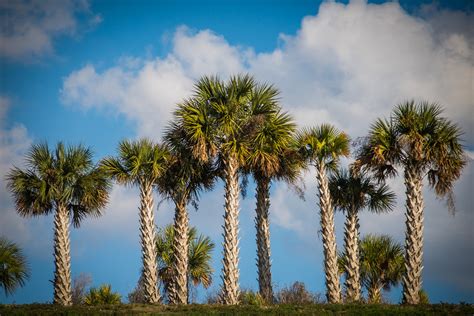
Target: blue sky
<point>98,72</point>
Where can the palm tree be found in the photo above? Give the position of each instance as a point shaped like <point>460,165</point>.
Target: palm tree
<point>351,193</point>
<point>141,163</point>
<point>425,144</point>
<point>381,265</point>
<point>198,271</point>
<point>65,181</point>
<point>322,147</point>
<point>13,267</point>
<point>271,158</point>
<point>184,179</point>
<point>219,121</point>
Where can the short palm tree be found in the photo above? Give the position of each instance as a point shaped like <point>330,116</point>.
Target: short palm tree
<point>351,193</point>
<point>141,163</point>
<point>198,271</point>
<point>102,296</point>
<point>65,181</point>
<point>425,144</point>
<point>322,147</point>
<point>219,120</point>
<point>271,157</point>
<point>183,180</point>
<point>13,267</point>
<point>381,265</point>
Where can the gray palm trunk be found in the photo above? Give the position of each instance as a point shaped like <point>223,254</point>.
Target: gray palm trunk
<point>333,287</point>
<point>413,236</point>
<point>148,242</point>
<point>179,288</point>
<point>263,239</point>
<point>62,257</point>
<point>351,241</point>
<point>230,270</point>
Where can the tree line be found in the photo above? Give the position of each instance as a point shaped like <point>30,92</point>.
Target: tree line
<point>230,130</point>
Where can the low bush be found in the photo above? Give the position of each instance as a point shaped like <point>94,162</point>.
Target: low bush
<point>102,296</point>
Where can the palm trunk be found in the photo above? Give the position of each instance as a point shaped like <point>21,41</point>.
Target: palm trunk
<point>333,286</point>
<point>62,257</point>
<point>179,289</point>
<point>413,236</point>
<point>230,270</point>
<point>351,240</point>
<point>148,241</point>
<point>374,294</point>
<point>263,239</point>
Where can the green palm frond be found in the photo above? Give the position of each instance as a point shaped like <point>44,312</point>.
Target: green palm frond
<point>417,135</point>
<point>200,255</point>
<point>354,192</point>
<point>65,175</point>
<point>323,144</point>
<point>14,269</point>
<point>137,162</point>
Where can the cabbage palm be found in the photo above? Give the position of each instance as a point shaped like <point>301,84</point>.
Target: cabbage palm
<point>13,267</point>
<point>141,163</point>
<point>425,144</point>
<point>351,193</point>
<point>219,121</point>
<point>271,158</point>
<point>64,181</point>
<point>198,269</point>
<point>184,179</point>
<point>381,265</point>
<point>322,147</point>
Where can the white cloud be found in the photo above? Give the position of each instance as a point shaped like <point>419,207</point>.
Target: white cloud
<point>30,27</point>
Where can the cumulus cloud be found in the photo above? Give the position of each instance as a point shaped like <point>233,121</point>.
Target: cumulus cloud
<point>28,28</point>
<point>347,65</point>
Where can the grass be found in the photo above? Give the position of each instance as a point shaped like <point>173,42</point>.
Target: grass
<point>308,309</point>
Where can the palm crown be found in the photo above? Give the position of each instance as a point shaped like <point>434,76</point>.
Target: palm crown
<point>138,162</point>
<point>65,176</point>
<point>13,267</point>
<point>416,135</point>
<point>351,192</point>
<point>323,145</point>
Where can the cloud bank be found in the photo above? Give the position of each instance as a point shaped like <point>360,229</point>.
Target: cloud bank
<point>29,28</point>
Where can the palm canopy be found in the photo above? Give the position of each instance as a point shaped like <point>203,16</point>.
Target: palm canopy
<point>137,162</point>
<point>200,250</point>
<point>185,176</point>
<point>221,117</point>
<point>65,176</point>
<point>354,192</point>
<point>323,145</point>
<point>13,267</point>
<point>417,135</point>
<point>381,261</point>
<point>273,150</point>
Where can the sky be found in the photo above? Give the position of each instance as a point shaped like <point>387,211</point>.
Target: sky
<point>97,72</point>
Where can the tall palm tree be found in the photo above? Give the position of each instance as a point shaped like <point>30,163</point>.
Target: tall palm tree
<point>351,193</point>
<point>425,144</point>
<point>198,271</point>
<point>381,265</point>
<point>271,157</point>
<point>141,163</point>
<point>219,120</point>
<point>184,179</point>
<point>13,267</point>
<point>322,147</point>
<point>65,181</point>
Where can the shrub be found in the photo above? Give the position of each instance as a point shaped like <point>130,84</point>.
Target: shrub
<point>249,297</point>
<point>297,294</point>
<point>424,298</point>
<point>102,296</point>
